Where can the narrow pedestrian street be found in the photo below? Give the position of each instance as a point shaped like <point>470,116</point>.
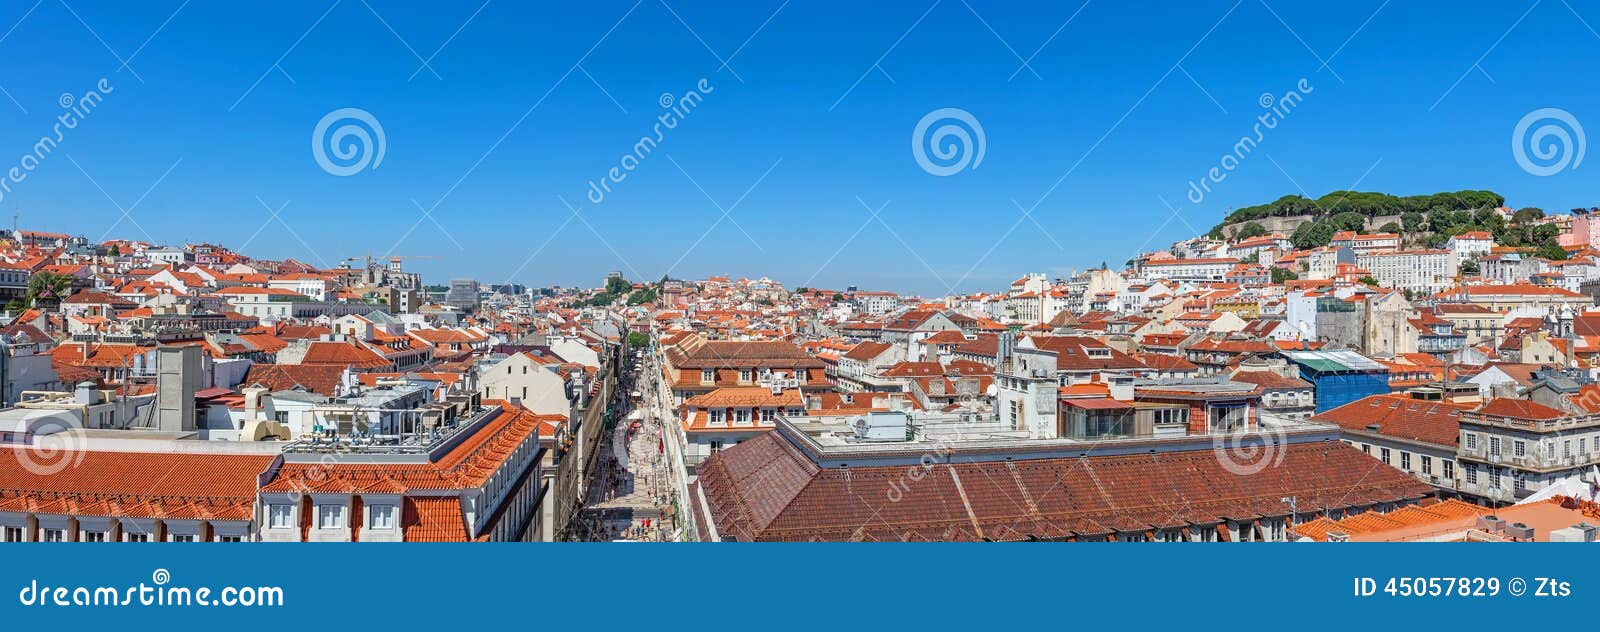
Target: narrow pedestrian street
<point>630,496</point>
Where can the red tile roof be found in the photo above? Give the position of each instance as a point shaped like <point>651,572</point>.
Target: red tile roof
<point>765,489</point>
<point>132,484</point>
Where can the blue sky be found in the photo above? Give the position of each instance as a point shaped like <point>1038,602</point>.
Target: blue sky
<point>807,127</point>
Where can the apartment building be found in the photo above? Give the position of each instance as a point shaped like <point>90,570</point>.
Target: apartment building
<point>1420,271</point>
<point>1512,448</point>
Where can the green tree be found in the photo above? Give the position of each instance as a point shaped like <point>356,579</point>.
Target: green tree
<point>638,339</point>
<point>1412,221</point>
<point>1391,227</point>
<point>1312,235</point>
<point>1469,267</point>
<point>1369,281</point>
<point>1552,252</point>
<point>1251,230</point>
<point>56,284</point>
<point>617,285</point>
<point>115,251</point>
<point>1347,220</point>
<point>1280,275</point>
<point>1527,214</point>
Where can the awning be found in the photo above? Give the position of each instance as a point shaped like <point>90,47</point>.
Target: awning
<point>1097,403</point>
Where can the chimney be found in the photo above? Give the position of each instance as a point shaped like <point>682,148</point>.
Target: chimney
<point>252,402</point>
<point>85,393</point>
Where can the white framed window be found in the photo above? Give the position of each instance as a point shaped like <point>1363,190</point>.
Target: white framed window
<point>330,516</point>
<point>716,415</point>
<point>382,517</point>
<point>52,535</point>
<point>1405,460</point>
<point>137,537</point>
<point>93,536</point>
<point>1519,448</point>
<point>13,534</point>
<point>716,446</point>
<point>1472,441</point>
<point>1449,469</point>
<point>744,375</point>
<point>741,415</point>
<point>183,538</point>
<point>1472,475</point>
<point>280,516</point>
<point>230,538</point>
<point>768,414</point>
<point>708,376</point>
<point>1494,446</point>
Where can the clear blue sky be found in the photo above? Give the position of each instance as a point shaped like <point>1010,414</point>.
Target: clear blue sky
<point>1417,97</point>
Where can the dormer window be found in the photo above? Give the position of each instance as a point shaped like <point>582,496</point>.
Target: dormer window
<point>716,415</point>
<point>708,376</point>
<point>744,375</point>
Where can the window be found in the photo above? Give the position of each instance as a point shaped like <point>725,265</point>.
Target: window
<point>1472,475</point>
<point>716,446</point>
<point>1427,464</point>
<point>1494,477</point>
<point>13,534</point>
<point>52,535</point>
<point>1518,448</point>
<point>1405,461</point>
<point>280,516</point>
<point>1494,446</point>
<point>330,516</point>
<point>741,415</point>
<point>1449,469</point>
<point>716,415</point>
<point>1566,448</point>
<point>1384,455</point>
<point>382,517</point>
<point>1366,448</point>
<point>137,537</point>
<point>182,538</point>
<point>768,414</point>
<point>1472,441</point>
<point>93,536</point>
<point>708,376</point>
<point>744,375</point>
<point>230,538</point>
